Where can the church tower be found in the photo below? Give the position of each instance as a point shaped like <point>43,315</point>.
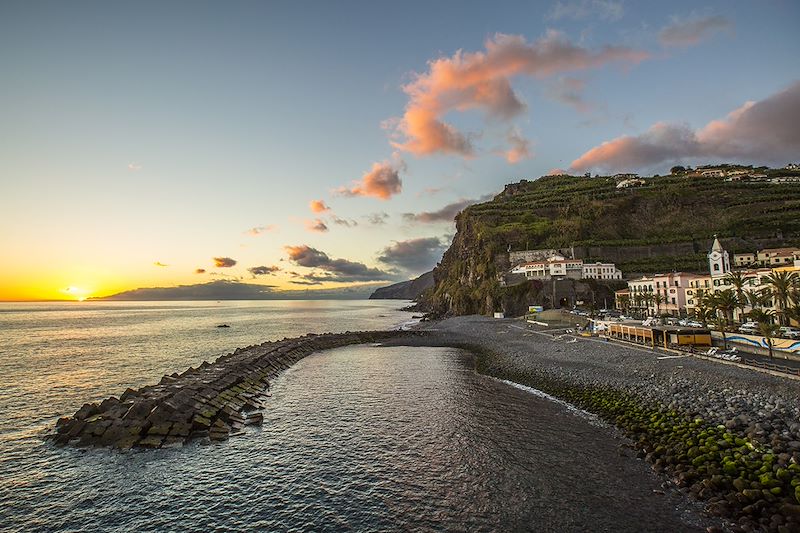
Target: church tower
<point>719,262</point>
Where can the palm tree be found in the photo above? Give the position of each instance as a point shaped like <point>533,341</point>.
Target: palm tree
<point>648,301</point>
<point>625,303</point>
<point>637,303</point>
<point>758,299</point>
<point>782,284</point>
<point>725,302</point>
<point>658,299</point>
<point>766,328</point>
<point>738,279</point>
<point>793,311</point>
<point>704,315</point>
<point>721,323</point>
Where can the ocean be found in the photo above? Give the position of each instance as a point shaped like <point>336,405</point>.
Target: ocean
<point>360,438</point>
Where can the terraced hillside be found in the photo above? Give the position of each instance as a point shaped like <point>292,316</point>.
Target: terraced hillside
<point>666,224</point>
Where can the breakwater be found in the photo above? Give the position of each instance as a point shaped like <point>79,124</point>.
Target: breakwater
<point>214,401</point>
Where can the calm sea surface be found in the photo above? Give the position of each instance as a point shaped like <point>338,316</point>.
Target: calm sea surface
<point>362,438</point>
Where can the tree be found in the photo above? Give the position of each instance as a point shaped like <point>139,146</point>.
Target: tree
<point>725,302</point>
<point>625,303</point>
<point>738,279</point>
<point>721,323</point>
<point>658,299</point>
<point>637,302</point>
<point>766,328</point>
<point>758,299</point>
<point>647,299</point>
<point>793,311</point>
<point>782,284</point>
<point>677,169</point>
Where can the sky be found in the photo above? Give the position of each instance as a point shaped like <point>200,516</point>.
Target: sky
<point>315,145</point>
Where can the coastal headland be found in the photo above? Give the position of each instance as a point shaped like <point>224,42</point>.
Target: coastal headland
<point>725,436</point>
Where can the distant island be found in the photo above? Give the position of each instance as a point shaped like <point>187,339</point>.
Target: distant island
<point>234,290</point>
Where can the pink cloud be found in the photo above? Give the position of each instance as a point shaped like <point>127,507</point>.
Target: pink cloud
<point>557,172</point>
<point>316,225</point>
<point>481,80</point>
<point>381,181</point>
<point>318,206</point>
<point>765,131</point>
<point>519,147</point>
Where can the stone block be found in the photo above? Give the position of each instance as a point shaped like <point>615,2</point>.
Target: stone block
<point>151,441</point>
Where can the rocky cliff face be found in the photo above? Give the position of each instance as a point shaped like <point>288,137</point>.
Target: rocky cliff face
<point>405,290</point>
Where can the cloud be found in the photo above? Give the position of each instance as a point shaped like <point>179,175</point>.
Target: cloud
<point>160,264</point>
<point>318,206</point>
<point>317,225</point>
<point>414,255</point>
<point>688,32</point>
<point>381,181</point>
<point>224,262</point>
<point>329,269</point>
<point>134,167</point>
<point>263,270</point>
<point>520,147</point>
<point>481,81</point>
<point>765,132</point>
<point>569,91</point>
<point>258,230</point>
<point>348,223</point>
<point>557,172</point>
<point>446,213</point>
<point>377,219</point>
<point>199,270</point>
<point>583,9</point>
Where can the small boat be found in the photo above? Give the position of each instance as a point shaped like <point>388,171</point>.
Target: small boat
<point>223,326</point>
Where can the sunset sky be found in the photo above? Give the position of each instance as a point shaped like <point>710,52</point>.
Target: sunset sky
<point>315,145</point>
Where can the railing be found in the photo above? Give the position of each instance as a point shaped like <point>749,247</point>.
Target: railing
<point>772,366</point>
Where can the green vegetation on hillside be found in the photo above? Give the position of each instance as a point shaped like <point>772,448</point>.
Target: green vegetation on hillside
<point>673,218</point>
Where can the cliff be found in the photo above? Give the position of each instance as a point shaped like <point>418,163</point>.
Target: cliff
<point>667,224</point>
<point>405,290</point>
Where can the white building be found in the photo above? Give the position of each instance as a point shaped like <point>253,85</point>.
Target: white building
<point>554,267</point>
<point>719,262</point>
<point>601,271</point>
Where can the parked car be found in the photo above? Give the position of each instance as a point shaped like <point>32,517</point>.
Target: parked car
<point>788,332</point>
<point>749,328</point>
<point>683,322</point>
<point>694,324</point>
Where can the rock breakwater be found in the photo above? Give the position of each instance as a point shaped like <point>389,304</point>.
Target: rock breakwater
<point>214,401</point>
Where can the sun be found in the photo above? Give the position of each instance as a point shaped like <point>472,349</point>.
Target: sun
<point>76,292</point>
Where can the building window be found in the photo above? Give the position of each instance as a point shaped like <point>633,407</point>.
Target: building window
<point>716,266</point>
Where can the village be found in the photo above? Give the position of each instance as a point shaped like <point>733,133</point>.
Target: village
<point>745,302</point>
<point>752,302</point>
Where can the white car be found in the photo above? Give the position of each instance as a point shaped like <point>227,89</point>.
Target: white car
<point>788,332</point>
<point>694,324</point>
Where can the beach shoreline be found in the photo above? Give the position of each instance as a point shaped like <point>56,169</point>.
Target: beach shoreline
<point>725,436</point>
